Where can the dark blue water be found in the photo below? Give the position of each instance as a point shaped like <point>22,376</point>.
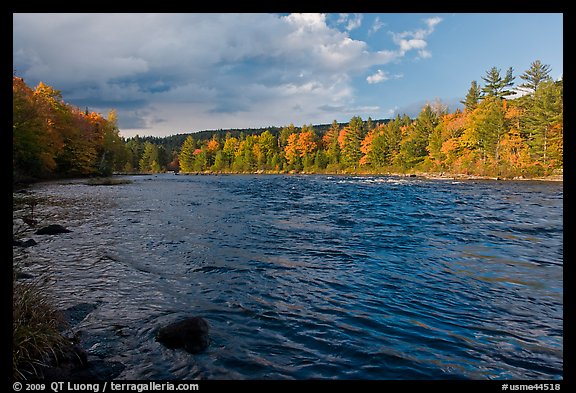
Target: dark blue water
<point>314,276</point>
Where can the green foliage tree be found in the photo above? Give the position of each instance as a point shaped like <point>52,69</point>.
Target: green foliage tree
<point>34,140</point>
<point>413,148</point>
<point>472,97</point>
<point>201,160</point>
<point>331,145</point>
<point>149,160</point>
<point>490,126</point>
<point>186,157</point>
<point>267,147</point>
<point>534,76</point>
<point>229,150</point>
<point>543,123</point>
<point>496,85</point>
<point>350,148</point>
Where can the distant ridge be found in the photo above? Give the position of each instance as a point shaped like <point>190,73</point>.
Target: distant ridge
<point>176,140</point>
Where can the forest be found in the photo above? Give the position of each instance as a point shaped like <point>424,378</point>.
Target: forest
<point>503,130</point>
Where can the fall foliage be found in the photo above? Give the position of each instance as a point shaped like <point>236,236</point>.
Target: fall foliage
<point>495,135</point>
<point>51,138</point>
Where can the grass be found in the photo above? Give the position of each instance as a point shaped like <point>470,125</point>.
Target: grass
<point>36,336</point>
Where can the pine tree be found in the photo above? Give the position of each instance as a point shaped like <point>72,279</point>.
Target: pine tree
<point>186,157</point>
<point>353,136</point>
<point>544,123</point>
<point>414,146</point>
<point>496,86</point>
<point>489,125</point>
<point>473,97</point>
<point>149,160</point>
<point>537,74</point>
<point>331,145</point>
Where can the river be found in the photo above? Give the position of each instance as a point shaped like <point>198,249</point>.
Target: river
<point>300,277</point>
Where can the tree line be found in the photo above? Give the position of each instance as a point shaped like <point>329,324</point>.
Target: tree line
<point>51,138</point>
<point>496,134</point>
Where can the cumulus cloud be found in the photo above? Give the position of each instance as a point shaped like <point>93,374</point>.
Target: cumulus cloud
<point>416,39</point>
<point>376,26</point>
<point>350,21</point>
<point>379,76</point>
<point>176,72</point>
<point>382,76</point>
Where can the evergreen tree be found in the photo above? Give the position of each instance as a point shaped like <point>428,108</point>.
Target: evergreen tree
<point>369,124</point>
<point>496,86</point>
<point>186,157</point>
<point>544,123</point>
<point>353,136</point>
<point>149,160</point>
<point>414,146</point>
<point>489,125</point>
<point>331,144</point>
<point>473,97</point>
<point>534,76</point>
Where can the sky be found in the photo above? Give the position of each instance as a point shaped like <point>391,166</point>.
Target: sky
<point>169,74</point>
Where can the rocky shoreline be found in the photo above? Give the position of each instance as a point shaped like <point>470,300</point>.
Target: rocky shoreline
<point>460,176</point>
<point>71,361</point>
<point>423,175</point>
<point>77,355</point>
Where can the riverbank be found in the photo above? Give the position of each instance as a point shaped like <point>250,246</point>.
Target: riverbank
<point>460,176</point>
<point>45,343</point>
<point>424,175</point>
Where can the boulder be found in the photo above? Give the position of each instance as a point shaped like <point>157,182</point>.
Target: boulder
<point>192,334</point>
<point>53,229</point>
<point>73,364</point>
<point>24,243</point>
<point>76,314</point>
<point>23,276</point>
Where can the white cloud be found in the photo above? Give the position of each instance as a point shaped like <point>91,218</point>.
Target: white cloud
<point>350,21</point>
<point>379,76</point>
<point>236,68</point>
<point>376,26</point>
<point>416,39</point>
<point>382,76</point>
<point>432,22</point>
<point>424,54</point>
<point>392,111</point>
<point>354,22</point>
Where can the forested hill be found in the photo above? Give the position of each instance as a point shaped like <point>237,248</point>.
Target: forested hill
<point>504,130</point>
<point>174,142</point>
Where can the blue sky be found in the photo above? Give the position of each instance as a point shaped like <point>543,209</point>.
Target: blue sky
<point>177,73</point>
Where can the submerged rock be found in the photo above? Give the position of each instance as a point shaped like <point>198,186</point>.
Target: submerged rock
<point>23,276</point>
<point>53,229</point>
<point>24,243</point>
<point>76,314</point>
<point>73,363</point>
<point>192,334</point>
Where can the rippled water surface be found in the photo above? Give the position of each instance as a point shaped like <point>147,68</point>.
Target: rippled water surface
<point>313,276</point>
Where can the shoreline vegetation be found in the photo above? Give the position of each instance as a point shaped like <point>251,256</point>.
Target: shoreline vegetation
<point>556,177</point>
<point>503,132</point>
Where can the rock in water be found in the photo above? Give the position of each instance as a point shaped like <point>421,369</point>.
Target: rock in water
<point>22,243</point>
<point>190,334</point>
<point>53,229</point>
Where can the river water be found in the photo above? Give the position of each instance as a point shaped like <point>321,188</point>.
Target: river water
<point>302,277</point>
